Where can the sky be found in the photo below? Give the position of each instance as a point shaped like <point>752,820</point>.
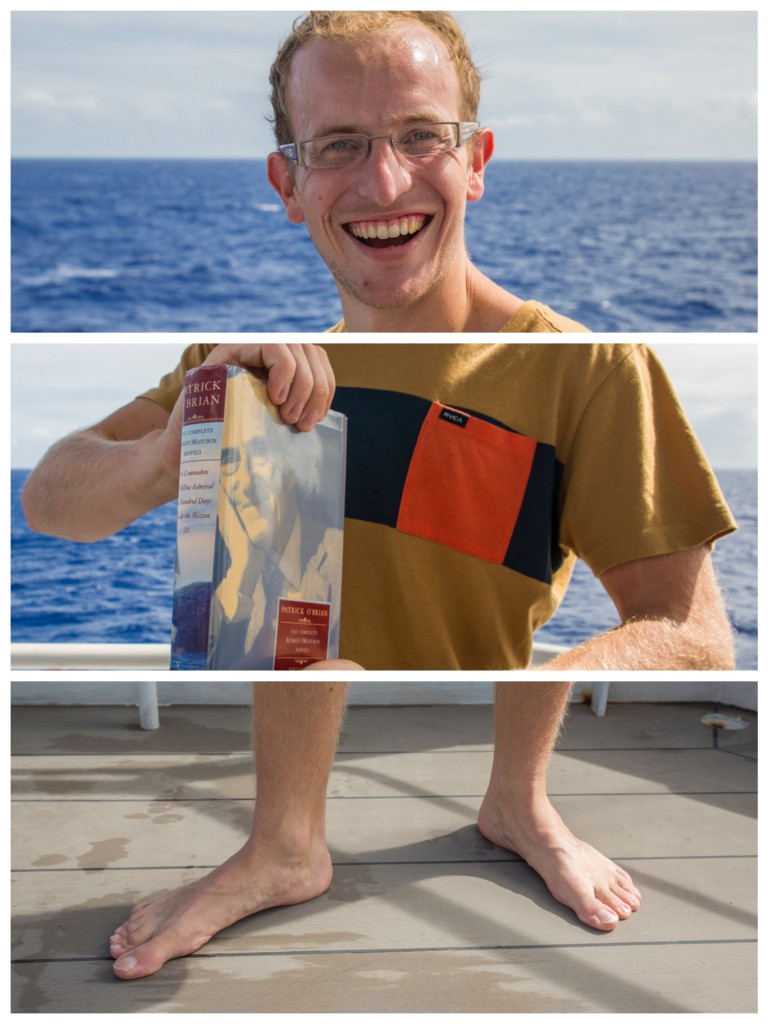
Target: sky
<point>61,386</point>
<point>558,84</point>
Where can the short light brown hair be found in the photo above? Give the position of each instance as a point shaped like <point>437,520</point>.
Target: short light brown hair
<point>352,25</point>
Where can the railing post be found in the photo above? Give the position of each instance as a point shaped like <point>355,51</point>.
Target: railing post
<point>599,699</point>
<point>149,717</point>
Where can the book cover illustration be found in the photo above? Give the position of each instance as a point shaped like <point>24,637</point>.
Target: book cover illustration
<point>260,530</point>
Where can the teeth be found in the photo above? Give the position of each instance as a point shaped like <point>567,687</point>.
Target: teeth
<point>388,229</point>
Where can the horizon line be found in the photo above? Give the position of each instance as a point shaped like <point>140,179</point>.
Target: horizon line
<point>496,159</point>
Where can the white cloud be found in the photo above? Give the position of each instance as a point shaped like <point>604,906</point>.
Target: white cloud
<point>44,100</point>
<point>37,98</point>
<point>597,117</point>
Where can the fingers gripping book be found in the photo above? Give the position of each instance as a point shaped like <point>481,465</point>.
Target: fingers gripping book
<point>260,530</point>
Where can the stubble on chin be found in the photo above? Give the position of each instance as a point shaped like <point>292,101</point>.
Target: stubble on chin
<point>382,293</point>
<point>390,296</point>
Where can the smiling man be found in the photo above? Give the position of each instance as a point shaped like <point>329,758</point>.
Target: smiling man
<point>379,151</point>
<point>476,475</point>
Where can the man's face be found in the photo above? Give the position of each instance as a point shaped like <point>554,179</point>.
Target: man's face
<point>251,480</point>
<point>373,88</point>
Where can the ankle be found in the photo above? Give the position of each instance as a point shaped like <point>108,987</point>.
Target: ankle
<point>292,847</point>
<point>524,808</point>
<point>517,793</point>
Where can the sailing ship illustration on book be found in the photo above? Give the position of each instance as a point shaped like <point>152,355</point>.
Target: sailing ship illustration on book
<point>260,530</point>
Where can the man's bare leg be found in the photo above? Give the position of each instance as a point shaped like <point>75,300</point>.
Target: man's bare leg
<point>517,815</point>
<point>285,859</point>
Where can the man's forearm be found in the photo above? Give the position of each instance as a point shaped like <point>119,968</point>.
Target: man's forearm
<point>88,487</point>
<point>653,644</point>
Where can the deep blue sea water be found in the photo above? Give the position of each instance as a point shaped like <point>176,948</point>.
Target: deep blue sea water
<point>119,590</point>
<point>194,245</point>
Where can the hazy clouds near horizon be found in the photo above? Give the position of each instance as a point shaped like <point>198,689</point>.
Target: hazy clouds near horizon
<point>62,386</point>
<point>568,85</point>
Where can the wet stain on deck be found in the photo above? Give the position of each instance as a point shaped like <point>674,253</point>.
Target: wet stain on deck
<point>104,853</point>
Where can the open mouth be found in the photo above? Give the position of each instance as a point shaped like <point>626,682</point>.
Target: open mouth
<point>385,234</point>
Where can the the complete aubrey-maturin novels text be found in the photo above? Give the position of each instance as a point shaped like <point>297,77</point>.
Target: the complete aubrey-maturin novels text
<point>260,529</point>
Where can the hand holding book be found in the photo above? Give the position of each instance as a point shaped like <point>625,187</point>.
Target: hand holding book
<point>299,382</point>
<point>299,378</point>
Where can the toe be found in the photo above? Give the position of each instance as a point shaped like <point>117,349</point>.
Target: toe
<point>141,962</point>
<point>118,943</point>
<point>622,909</point>
<point>137,931</point>
<point>590,906</point>
<point>616,901</point>
<point>124,967</point>
<point>600,916</point>
<point>629,891</point>
<point>607,906</point>
<point>619,892</point>
<point>629,897</point>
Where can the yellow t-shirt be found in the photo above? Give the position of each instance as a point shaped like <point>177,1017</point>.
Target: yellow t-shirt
<point>477,473</point>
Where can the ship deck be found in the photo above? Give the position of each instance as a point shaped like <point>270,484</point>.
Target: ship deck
<point>424,915</point>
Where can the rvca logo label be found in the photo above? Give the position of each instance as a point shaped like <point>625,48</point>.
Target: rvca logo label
<point>457,418</point>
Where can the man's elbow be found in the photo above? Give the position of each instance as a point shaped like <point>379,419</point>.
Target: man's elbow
<point>41,517</point>
<point>716,658</point>
<point>33,507</point>
<point>723,655</point>
<point>711,644</point>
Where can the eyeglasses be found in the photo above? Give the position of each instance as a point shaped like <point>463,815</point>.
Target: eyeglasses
<point>415,140</point>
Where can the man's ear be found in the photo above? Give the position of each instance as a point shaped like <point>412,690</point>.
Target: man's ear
<point>480,153</point>
<point>281,179</point>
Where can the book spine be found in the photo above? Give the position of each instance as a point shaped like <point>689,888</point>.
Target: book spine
<point>203,420</point>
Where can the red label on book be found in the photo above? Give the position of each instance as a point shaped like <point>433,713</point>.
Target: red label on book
<point>204,389</point>
<point>302,633</point>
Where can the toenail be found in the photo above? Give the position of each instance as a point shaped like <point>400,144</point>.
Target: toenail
<point>128,963</point>
<point>606,916</point>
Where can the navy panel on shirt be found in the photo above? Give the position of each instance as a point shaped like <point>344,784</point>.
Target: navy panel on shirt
<point>382,432</point>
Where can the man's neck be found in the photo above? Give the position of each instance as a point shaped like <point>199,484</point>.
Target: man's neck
<point>475,305</point>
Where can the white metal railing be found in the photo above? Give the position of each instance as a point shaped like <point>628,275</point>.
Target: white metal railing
<point>48,657</point>
<point>156,657</point>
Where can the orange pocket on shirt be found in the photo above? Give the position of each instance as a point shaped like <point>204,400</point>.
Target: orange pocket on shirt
<point>465,483</point>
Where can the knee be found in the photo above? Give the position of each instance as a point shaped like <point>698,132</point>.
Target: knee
<point>335,665</point>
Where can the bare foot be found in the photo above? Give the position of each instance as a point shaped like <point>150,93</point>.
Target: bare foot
<point>176,922</point>
<point>598,891</point>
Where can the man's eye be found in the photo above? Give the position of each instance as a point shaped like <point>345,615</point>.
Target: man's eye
<point>342,144</point>
<point>421,135</point>
<point>230,460</point>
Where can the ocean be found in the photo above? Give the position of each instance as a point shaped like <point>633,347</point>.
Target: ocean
<point>118,590</point>
<point>200,246</point>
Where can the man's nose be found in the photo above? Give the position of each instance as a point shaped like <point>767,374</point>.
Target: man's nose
<point>260,482</point>
<point>383,175</point>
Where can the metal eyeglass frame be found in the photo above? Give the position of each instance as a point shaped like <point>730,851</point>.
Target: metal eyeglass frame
<point>293,150</point>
